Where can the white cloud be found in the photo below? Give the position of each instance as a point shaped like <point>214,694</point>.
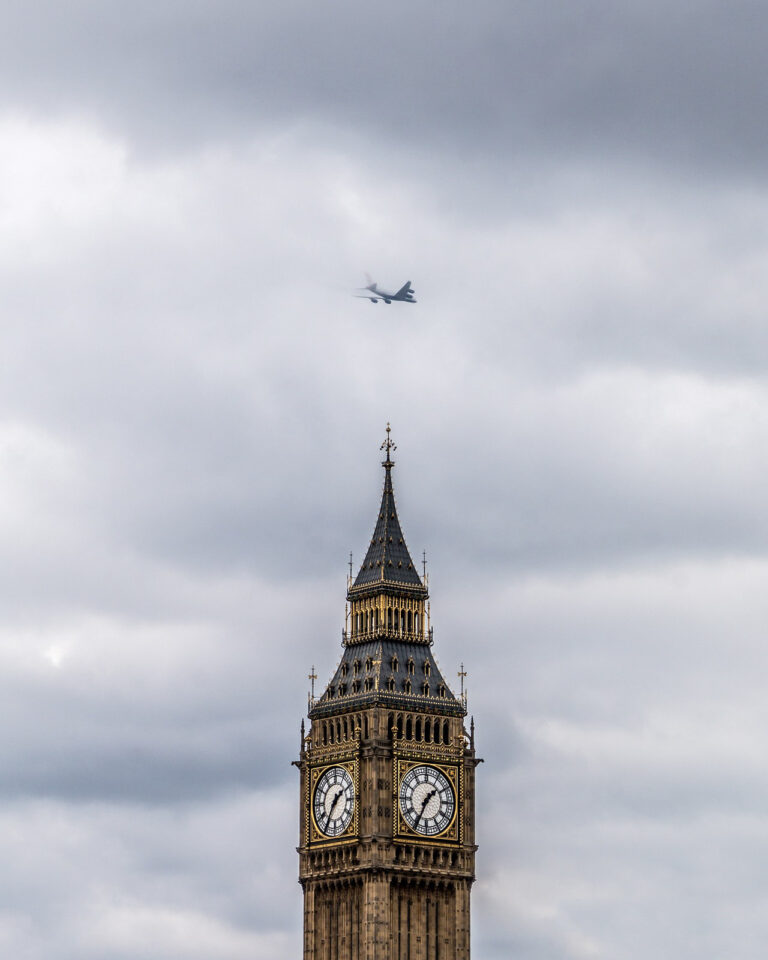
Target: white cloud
<point>118,881</point>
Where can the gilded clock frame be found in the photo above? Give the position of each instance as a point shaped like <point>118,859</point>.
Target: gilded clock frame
<point>401,831</point>
<point>314,834</point>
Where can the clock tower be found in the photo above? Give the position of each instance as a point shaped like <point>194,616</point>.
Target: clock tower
<point>387,791</point>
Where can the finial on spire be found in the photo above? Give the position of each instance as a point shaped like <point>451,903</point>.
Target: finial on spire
<point>388,445</point>
<point>462,676</point>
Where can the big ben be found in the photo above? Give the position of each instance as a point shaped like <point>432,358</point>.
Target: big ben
<point>387,786</point>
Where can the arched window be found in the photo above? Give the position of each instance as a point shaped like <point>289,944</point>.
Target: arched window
<point>407,686</point>
<point>402,621</point>
<point>410,622</point>
<point>394,664</point>
<point>346,729</point>
<point>409,729</point>
<point>411,666</point>
<point>391,684</point>
<point>446,738</point>
<point>400,726</point>
<point>365,721</point>
<point>376,619</point>
<point>427,731</point>
<point>416,623</point>
<point>425,689</point>
<point>389,618</point>
<point>418,729</point>
<point>427,668</point>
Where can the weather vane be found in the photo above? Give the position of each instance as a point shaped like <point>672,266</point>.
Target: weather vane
<point>388,443</point>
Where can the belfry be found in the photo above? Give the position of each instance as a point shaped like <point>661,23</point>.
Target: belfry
<point>387,771</point>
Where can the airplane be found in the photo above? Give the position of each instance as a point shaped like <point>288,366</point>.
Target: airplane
<point>404,294</point>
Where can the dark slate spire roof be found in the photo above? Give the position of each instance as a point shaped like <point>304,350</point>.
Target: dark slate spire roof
<point>389,673</point>
<point>387,559</point>
<point>385,664</point>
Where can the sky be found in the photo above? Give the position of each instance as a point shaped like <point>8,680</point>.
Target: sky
<point>191,407</point>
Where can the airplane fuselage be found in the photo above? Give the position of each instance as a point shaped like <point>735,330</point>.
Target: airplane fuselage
<point>404,295</point>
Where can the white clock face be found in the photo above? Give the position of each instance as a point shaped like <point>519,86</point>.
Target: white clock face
<point>427,800</point>
<point>334,801</point>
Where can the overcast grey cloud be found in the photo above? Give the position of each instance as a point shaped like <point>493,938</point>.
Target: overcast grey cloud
<point>667,81</point>
<point>191,404</point>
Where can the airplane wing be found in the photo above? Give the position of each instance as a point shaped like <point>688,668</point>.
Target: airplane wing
<point>404,290</point>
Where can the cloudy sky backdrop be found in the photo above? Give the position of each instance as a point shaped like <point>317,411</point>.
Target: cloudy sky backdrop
<point>191,405</point>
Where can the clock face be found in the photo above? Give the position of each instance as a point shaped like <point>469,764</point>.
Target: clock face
<point>427,800</point>
<point>334,801</point>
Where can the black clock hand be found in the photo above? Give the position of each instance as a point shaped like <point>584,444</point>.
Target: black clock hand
<point>336,799</point>
<point>424,806</point>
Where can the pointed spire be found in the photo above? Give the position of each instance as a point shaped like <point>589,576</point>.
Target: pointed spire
<point>387,637</point>
<point>387,559</point>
